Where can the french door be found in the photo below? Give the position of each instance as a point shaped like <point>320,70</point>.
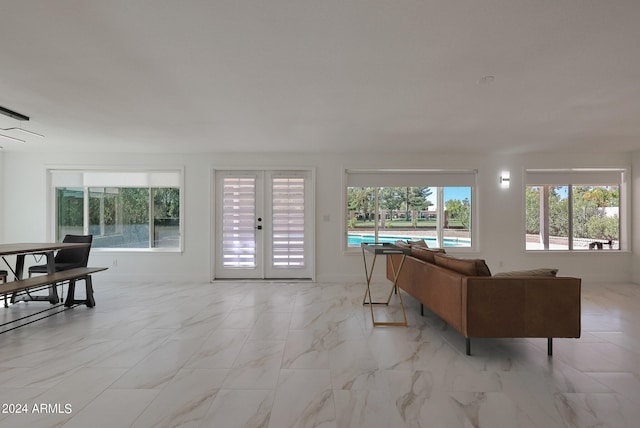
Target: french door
<point>263,224</point>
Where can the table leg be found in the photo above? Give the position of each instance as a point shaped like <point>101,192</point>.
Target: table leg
<point>51,268</point>
<point>18,273</point>
<point>369,274</point>
<point>19,266</point>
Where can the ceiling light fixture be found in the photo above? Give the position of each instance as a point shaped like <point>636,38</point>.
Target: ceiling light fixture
<point>12,138</point>
<point>18,116</point>
<point>14,128</point>
<point>13,114</point>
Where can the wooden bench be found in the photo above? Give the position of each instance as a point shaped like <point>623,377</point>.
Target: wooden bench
<point>69,276</point>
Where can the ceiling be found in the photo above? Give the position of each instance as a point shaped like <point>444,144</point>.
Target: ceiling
<point>322,75</point>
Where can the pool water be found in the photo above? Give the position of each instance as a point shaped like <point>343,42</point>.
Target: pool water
<point>356,240</point>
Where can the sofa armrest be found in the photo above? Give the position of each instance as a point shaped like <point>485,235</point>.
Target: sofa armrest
<point>521,307</point>
<point>438,288</point>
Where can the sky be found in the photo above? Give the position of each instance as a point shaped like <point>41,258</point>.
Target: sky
<point>451,193</point>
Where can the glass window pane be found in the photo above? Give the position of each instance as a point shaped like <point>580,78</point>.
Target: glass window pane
<point>407,213</point>
<point>410,213</point>
<point>166,217</point>
<point>457,220</point>
<point>547,214</point>
<point>533,239</point>
<point>70,211</point>
<point>360,215</point>
<point>119,217</point>
<point>581,217</point>
<point>596,217</point>
<point>559,217</point>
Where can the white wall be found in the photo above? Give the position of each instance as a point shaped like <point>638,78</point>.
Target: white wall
<point>499,220</point>
<point>635,259</point>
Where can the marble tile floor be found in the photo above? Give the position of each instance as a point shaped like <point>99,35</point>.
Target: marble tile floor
<point>278,355</point>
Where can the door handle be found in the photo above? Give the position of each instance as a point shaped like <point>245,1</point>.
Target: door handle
<point>259,227</point>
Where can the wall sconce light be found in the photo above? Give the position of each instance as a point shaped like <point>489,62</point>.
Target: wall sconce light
<point>505,179</point>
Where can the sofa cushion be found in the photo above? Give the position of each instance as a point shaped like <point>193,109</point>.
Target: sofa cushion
<point>426,254</point>
<point>469,267</point>
<point>530,272</point>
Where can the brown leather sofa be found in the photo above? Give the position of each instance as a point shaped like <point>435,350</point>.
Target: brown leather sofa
<point>464,294</point>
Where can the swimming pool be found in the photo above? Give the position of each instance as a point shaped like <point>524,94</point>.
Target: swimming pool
<point>355,240</point>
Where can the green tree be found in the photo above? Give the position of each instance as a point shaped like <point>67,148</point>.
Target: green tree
<point>166,203</point>
<point>135,205</point>
<point>585,207</point>
<point>601,196</point>
<point>603,227</point>
<point>558,212</point>
<point>390,199</point>
<point>416,200</point>
<point>590,219</point>
<point>460,210</point>
<point>532,194</point>
<point>361,199</point>
<point>70,206</point>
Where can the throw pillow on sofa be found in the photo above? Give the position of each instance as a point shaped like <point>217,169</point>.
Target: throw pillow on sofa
<point>408,243</point>
<point>469,267</point>
<point>402,244</point>
<point>530,272</point>
<point>426,254</point>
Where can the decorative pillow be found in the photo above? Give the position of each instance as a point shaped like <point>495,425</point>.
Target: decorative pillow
<point>402,244</point>
<point>419,243</point>
<point>530,272</point>
<point>426,254</point>
<point>481,268</point>
<point>469,267</point>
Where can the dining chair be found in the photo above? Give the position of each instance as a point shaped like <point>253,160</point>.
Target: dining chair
<point>68,258</point>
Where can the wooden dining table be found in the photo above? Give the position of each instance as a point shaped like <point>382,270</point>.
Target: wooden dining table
<point>48,249</point>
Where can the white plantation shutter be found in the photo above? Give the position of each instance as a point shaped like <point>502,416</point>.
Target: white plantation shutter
<point>288,236</point>
<point>238,223</point>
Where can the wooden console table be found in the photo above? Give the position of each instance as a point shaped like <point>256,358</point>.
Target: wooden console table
<point>385,249</point>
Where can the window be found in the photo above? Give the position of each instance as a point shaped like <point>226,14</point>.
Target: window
<point>390,205</point>
<point>574,209</point>
<point>122,210</point>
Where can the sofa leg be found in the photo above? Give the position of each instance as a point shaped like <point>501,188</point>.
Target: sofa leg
<point>549,346</point>
<point>468,343</point>
<point>421,310</point>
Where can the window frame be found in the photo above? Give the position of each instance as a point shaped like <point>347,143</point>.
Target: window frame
<point>441,179</point>
<point>579,177</point>
<point>151,172</point>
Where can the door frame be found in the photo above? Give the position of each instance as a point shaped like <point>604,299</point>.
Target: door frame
<point>310,216</point>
